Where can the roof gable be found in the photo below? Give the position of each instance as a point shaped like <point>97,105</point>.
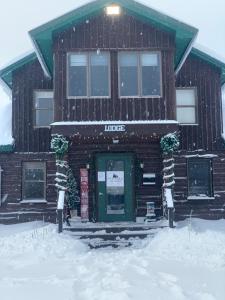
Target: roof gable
<point>42,35</point>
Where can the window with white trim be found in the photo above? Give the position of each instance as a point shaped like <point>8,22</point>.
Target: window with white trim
<point>43,108</point>
<point>34,180</point>
<point>88,74</point>
<point>186,105</point>
<point>139,74</point>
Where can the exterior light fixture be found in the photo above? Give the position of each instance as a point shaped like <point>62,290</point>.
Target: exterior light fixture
<point>113,10</point>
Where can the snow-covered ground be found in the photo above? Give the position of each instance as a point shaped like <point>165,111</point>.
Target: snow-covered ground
<point>185,263</point>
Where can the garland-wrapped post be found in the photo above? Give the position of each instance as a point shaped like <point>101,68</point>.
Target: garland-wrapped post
<point>169,143</point>
<point>59,145</point>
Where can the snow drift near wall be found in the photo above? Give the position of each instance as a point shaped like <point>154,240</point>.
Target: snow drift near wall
<point>5,123</point>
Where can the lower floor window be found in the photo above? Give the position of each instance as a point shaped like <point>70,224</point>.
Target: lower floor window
<point>34,180</point>
<point>200,177</point>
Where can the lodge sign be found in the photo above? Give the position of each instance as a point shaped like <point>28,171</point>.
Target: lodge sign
<point>113,128</point>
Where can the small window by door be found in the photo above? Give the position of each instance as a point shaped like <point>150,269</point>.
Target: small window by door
<point>34,180</point>
<point>200,177</point>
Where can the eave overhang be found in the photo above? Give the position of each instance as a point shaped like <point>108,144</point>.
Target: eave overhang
<point>42,36</point>
<point>6,72</point>
<point>211,60</point>
<point>115,130</point>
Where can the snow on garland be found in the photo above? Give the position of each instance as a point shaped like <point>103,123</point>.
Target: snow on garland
<point>169,143</point>
<point>65,180</point>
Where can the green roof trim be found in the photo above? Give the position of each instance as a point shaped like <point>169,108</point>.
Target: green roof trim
<point>7,148</point>
<point>6,73</point>
<point>42,35</point>
<point>211,60</point>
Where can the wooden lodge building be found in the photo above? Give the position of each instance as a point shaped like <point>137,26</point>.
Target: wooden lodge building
<point>114,77</point>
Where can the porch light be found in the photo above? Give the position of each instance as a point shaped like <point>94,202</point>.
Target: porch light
<point>113,10</point>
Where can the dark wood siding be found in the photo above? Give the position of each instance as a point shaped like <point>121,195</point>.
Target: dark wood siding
<point>206,78</point>
<point>26,80</point>
<point>12,210</point>
<point>200,208</point>
<point>114,34</point>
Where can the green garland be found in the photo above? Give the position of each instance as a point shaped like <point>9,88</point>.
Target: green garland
<point>72,191</point>
<point>59,145</point>
<point>169,143</point>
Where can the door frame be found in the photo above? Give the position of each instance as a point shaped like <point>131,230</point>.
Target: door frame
<point>133,165</point>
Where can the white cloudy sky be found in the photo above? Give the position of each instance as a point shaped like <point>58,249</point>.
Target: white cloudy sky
<point>18,17</point>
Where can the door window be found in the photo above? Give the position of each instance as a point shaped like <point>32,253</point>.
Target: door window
<point>115,187</point>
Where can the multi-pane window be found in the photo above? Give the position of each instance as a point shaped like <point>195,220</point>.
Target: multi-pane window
<point>186,108</point>
<point>34,180</point>
<point>88,74</point>
<point>200,177</point>
<point>43,107</point>
<point>139,74</point>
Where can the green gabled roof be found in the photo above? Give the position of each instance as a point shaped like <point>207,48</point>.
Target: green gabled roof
<point>6,73</point>
<point>42,35</point>
<point>211,59</point>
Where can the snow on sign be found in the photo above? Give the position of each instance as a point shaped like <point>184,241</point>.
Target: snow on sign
<point>115,128</point>
<point>115,178</point>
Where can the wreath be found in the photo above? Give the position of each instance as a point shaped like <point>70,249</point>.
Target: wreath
<point>169,143</point>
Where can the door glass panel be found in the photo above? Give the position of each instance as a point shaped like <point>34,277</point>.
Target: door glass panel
<point>115,187</point>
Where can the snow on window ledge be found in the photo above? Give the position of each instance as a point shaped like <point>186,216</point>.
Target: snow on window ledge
<point>34,201</point>
<point>200,198</point>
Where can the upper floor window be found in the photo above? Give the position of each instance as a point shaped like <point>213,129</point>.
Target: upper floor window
<point>43,107</point>
<point>139,74</point>
<point>88,75</point>
<point>186,108</point>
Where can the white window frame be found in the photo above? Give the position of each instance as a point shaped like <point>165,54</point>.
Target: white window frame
<point>195,106</point>
<point>45,94</point>
<point>139,73</point>
<point>88,87</point>
<point>24,200</point>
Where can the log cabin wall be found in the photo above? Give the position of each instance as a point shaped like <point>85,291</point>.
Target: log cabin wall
<point>13,211</point>
<point>113,34</point>
<point>26,80</point>
<point>203,208</point>
<point>206,78</point>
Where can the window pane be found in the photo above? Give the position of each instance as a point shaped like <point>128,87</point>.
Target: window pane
<point>44,103</point>
<point>34,174</point>
<point>77,81</point>
<point>150,74</point>
<point>128,63</point>
<point>44,117</point>
<point>199,177</point>
<point>33,190</point>
<point>185,96</point>
<point>186,115</point>
<point>99,74</point>
<point>33,180</point>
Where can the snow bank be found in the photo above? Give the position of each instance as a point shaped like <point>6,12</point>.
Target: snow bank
<point>186,263</point>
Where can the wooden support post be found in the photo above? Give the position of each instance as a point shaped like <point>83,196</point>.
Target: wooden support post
<point>171,216</point>
<point>60,220</point>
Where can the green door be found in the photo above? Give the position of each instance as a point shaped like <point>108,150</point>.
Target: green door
<point>115,187</point>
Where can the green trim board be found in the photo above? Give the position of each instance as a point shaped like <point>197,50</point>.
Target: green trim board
<point>6,73</point>
<point>211,60</point>
<point>42,36</point>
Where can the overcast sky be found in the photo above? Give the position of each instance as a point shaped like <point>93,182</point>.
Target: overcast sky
<point>18,17</point>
